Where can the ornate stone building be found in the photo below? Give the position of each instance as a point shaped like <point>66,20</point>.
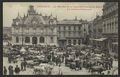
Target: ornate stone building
<point>110,25</point>
<point>72,32</point>
<point>34,29</point>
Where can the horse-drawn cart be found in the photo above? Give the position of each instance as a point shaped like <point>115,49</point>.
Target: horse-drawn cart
<point>43,69</point>
<point>31,63</point>
<point>98,69</point>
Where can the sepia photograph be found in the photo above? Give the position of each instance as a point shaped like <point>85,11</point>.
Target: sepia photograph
<point>60,38</point>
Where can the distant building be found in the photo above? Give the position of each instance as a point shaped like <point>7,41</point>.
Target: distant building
<point>110,26</point>
<point>72,32</point>
<point>7,31</point>
<point>34,29</point>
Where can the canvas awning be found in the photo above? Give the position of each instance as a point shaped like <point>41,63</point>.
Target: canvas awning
<point>62,38</point>
<point>22,50</point>
<point>92,39</point>
<point>115,43</point>
<point>101,39</point>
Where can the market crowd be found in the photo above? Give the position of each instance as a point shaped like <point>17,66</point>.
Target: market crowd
<point>75,57</point>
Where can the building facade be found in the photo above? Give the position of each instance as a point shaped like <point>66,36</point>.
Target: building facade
<point>98,39</point>
<point>7,33</point>
<point>34,29</point>
<point>7,36</point>
<point>97,29</point>
<point>110,25</point>
<point>72,32</point>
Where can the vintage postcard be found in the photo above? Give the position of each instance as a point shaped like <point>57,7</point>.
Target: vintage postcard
<point>66,38</point>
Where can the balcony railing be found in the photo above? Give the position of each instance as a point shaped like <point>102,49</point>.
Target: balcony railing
<point>33,33</point>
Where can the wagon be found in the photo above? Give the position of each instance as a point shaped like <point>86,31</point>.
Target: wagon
<point>31,63</point>
<point>43,69</point>
<point>98,69</point>
<point>73,65</point>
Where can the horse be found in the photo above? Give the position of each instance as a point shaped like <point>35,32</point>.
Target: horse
<point>99,70</point>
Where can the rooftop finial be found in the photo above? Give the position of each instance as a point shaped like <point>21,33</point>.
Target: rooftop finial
<point>31,10</point>
<point>18,17</point>
<point>24,14</point>
<point>18,14</point>
<point>51,14</point>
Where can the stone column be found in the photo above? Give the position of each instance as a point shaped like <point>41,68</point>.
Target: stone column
<point>38,40</point>
<point>71,41</point>
<point>81,41</point>
<point>46,40</point>
<point>67,42</point>
<point>77,41</point>
<point>31,40</point>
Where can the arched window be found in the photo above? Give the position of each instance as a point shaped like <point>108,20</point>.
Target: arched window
<point>69,42</point>
<point>74,42</point>
<point>34,40</point>
<point>17,39</point>
<point>42,40</point>
<point>79,41</point>
<point>27,39</point>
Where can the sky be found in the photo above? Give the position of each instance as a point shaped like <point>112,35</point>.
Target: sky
<point>63,10</point>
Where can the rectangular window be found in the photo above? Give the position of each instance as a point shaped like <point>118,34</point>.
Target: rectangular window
<point>64,34</point>
<point>69,28</point>
<point>79,41</point>
<point>64,27</point>
<point>74,28</point>
<point>79,27</point>
<point>52,40</point>
<point>69,42</point>
<point>27,39</point>
<point>69,33</point>
<point>17,40</point>
<point>59,33</point>
<point>74,42</point>
<point>59,27</point>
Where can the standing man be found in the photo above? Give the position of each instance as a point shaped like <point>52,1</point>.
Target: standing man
<point>4,71</point>
<point>9,58</point>
<point>111,62</point>
<point>60,70</point>
<point>10,69</point>
<point>17,70</point>
<point>24,64</point>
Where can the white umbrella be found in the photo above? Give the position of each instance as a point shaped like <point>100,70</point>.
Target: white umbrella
<point>98,55</point>
<point>97,58</point>
<point>23,50</point>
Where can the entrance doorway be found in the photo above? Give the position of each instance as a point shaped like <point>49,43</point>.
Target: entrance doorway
<point>34,40</point>
<point>62,43</point>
